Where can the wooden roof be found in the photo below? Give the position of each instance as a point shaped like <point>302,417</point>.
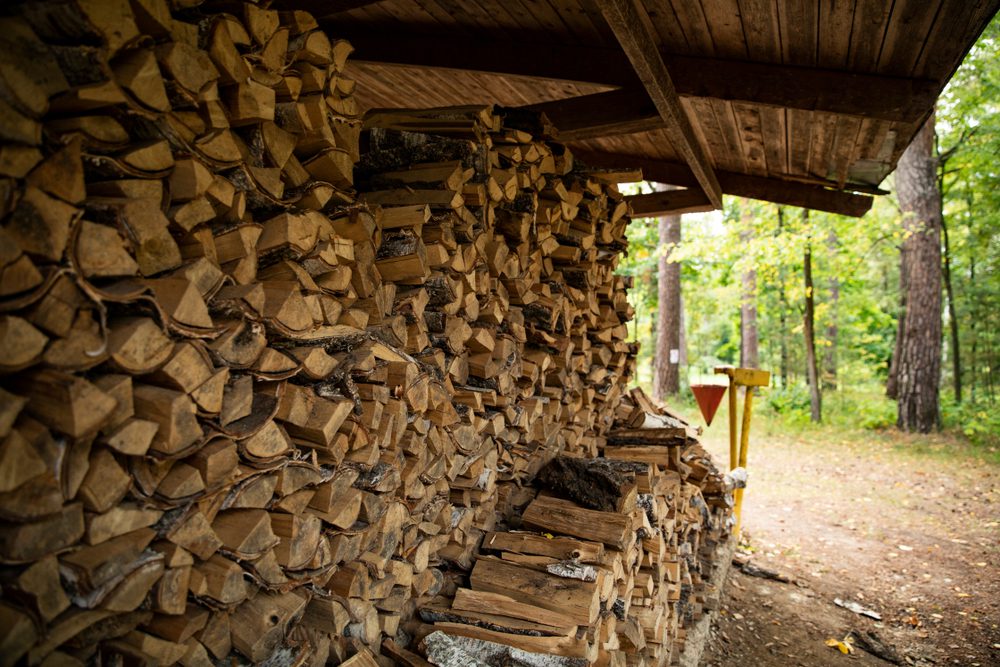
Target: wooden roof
<point>793,101</point>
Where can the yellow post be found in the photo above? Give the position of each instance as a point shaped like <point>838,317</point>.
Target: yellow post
<point>732,423</point>
<point>744,446</point>
<point>749,378</point>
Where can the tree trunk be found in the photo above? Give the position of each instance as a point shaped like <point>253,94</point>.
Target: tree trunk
<point>748,303</point>
<point>668,338</point>
<point>892,381</point>
<point>974,330</point>
<point>808,330</point>
<point>683,334</point>
<point>918,360</point>
<point>783,308</point>
<point>956,357</point>
<point>832,331</point>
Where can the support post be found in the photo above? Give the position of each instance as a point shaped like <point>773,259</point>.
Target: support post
<point>744,446</point>
<point>733,460</point>
<point>749,378</point>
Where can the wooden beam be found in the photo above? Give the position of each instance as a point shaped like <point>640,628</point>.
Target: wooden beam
<point>789,193</point>
<point>897,99</point>
<point>542,56</point>
<point>323,8</point>
<point>671,202</point>
<point>623,111</point>
<point>608,160</point>
<point>632,28</point>
<point>536,60</point>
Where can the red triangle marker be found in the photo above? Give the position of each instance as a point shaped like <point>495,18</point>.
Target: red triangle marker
<point>708,396</point>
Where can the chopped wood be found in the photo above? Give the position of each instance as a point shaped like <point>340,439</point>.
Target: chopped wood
<point>277,376</point>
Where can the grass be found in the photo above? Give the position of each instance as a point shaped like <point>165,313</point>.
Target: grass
<point>858,419</point>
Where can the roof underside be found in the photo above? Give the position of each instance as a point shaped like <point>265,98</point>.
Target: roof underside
<point>781,96</point>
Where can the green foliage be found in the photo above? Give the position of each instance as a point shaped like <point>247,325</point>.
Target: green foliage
<point>968,130</point>
<point>858,258</point>
<point>789,400</point>
<point>979,422</point>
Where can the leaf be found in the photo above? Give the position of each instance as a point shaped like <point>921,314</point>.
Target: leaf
<point>839,645</point>
<point>844,646</point>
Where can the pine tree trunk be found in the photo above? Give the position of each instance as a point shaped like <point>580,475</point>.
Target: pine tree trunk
<point>832,331</point>
<point>892,381</point>
<point>748,306</point>
<point>783,309</point>
<point>974,330</point>
<point>668,339</point>
<point>683,336</point>
<point>918,358</point>
<point>808,331</point>
<point>956,356</point>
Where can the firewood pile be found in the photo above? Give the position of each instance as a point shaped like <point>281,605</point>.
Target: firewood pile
<point>254,410</point>
<point>607,564</point>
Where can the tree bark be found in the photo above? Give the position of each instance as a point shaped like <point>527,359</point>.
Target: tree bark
<point>783,308</point>
<point>748,304</point>
<point>832,330</point>
<point>892,381</point>
<point>974,331</point>
<point>956,356</point>
<point>668,338</point>
<point>809,332</point>
<point>918,360</point>
<point>683,337</point>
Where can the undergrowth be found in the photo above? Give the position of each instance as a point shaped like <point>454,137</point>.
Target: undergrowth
<point>858,417</point>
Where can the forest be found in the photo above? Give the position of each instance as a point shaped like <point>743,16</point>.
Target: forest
<point>779,287</point>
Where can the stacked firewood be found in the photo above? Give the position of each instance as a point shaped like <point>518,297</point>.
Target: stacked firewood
<point>608,564</point>
<point>503,257</point>
<point>173,423</point>
<point>247,413</point>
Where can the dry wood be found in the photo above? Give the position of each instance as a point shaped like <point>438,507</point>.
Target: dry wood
<point>253,408</point>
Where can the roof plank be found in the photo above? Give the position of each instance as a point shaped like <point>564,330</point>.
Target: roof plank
<point>634,32</point>
<point>789,193</point>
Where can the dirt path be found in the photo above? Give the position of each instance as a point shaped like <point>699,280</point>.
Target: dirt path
<point>909,528</point>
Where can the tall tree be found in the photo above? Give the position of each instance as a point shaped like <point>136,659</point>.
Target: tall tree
<point>918,356</point>
<point>954,348</point>
<point>666,379</point>
<point>782,308</point>
<point>832,330</point>
<point>809,331</point>
<point>748,299</point>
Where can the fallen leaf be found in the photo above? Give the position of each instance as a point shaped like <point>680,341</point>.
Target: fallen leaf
<point>842,646</point>
<point>903,547</point>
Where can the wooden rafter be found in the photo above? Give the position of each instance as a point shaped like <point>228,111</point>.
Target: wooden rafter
<point>321,8</point>
<point>389,46</point>
<point>897,99</point>
<point>789,193</point>
<point>671,202</point>
<point>624,111</point>
<point>631,27</point>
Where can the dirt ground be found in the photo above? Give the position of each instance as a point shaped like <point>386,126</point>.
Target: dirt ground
<point>906,527</point>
